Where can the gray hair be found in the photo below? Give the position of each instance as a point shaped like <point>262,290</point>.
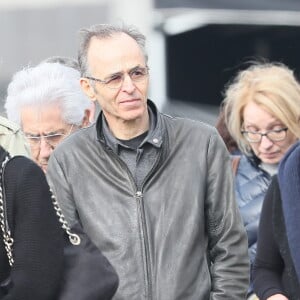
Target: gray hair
<point>47,84</point>
<point>103,31</point>
<point>63,60</point>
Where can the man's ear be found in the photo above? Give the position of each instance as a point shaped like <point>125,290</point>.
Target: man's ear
<point>87,88</point>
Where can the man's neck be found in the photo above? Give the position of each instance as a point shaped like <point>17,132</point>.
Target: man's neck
<point>126,130</point>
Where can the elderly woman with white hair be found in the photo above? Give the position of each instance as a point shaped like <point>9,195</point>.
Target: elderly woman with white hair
<point>48,104</point>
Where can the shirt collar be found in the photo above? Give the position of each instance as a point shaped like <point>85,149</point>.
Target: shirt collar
<point>154,136</point>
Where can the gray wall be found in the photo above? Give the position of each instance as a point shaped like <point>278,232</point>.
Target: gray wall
<point>29,36</point>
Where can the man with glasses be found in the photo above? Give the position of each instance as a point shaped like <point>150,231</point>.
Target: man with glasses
<point>154,193</point>
<point>48,104</point>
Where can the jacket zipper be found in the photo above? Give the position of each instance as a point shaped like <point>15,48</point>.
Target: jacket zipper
<point>138,195</point>
<point>139,198</point>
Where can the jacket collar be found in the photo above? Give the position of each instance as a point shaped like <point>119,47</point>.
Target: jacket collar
<point>154,137</point>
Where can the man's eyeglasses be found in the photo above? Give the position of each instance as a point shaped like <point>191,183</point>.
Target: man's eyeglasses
<point>137,74</point>
<point>275,135</point>
<point>51,139</point>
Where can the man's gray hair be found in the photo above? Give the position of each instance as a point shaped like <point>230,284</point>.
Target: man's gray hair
<point>103,31</point>
<point>47,84</point>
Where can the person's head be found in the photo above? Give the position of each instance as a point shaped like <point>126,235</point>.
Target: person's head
<point>221,126</point>
<point>48,104</point>
<point>71,63</point>
<point>262,110</point>
<point>113,64</point>
<point>63,60</point>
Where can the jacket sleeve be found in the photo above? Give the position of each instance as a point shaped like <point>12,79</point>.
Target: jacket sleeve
<point>38,238</point>
<point>227,239</point>
<point>268,263</point>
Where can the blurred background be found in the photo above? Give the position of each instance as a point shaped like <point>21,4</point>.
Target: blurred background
<point>195,46</point>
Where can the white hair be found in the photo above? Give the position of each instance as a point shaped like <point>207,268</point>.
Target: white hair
<point>47,84</point>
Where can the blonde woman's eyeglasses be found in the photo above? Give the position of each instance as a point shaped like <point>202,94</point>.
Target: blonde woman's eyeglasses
<point>275,135</point>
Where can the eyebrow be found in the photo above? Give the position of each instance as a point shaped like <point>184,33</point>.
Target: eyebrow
<point>58,131</point>
<point>268,127</point>
<point>121,72</point>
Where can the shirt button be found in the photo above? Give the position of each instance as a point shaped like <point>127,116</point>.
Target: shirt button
<point>155,141</point>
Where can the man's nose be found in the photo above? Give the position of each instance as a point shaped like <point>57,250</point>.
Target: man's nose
<point>128,84</point>
<point>45,148</point>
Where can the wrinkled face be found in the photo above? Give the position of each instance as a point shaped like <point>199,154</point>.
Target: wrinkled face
<point>117,57</point>
<point>44,129</point>
<point>256,119</point>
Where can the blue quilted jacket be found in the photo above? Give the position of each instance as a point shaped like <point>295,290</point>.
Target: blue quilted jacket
<point>251,186</point>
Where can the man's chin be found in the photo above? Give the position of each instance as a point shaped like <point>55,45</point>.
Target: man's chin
<point>133,115</point>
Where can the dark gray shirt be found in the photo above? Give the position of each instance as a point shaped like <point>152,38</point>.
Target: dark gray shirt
<point>139,153</point>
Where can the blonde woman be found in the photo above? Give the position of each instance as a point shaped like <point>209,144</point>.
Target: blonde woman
<point>262,111</point>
